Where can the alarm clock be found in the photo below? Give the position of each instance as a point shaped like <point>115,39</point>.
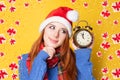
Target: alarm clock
<point>82,36</point>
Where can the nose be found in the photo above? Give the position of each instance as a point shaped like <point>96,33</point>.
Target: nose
<point>56,33</point>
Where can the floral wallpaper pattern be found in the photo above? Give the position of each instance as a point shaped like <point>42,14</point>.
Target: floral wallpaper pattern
<point>19,23</point>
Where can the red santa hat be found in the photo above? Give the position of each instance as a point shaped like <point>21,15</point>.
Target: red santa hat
<point>64,15</point>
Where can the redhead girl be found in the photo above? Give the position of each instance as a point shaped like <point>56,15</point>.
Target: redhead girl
<point>51,57</point>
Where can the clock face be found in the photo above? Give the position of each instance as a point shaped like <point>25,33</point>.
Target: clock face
<point>84,38</point>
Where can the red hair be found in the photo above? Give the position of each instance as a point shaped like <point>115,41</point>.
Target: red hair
<point>67,57</point>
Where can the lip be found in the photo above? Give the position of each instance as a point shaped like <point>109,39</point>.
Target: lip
<point>53,41</point>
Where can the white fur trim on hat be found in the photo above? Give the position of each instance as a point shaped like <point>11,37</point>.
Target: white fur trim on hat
<point>57,19</point>
<point>72,15</point>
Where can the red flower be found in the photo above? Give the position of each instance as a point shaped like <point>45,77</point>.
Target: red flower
<point>12,9</point>
<point>99,22</point>
<point>1,54</point>
<point>12,41</point>
<point>118,53</point>
<point>110,57</point>
<point>19,57</point>
<point>105,3</point>
<point>105,70</point>
<point>26,4</point>
<point>10,1</point>
<point>11,31</point>
<point>2,6</point>
<point>116,6</point>
<point>13,66</point>
<point>14,76</point>
<point>105,78</point>
<point>105,35</point>
<point>85,4</point>
<point>73,1</point>
<point>99,53</point>
<point>105,45</point>
<point>1,21</point>
<point>2,39</point>
<point>115,21</point>
<point>116,73</point>
<point>39,0</point>
<point>17,22</point>
<point>3,73</point>
<point>105,13</point>
<point>116,38</point>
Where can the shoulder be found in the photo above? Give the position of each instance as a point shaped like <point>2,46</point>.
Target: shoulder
<point>24,56</point>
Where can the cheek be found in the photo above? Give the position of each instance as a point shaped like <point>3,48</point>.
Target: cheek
<point>45,36</point>
<point>45,39</point>
<point>62,39</point>
<point>47,33</point>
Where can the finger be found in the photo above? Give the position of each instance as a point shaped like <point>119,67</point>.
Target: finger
<point>50,51</point>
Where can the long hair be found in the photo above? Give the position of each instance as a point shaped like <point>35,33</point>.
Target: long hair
<point>67,57</point>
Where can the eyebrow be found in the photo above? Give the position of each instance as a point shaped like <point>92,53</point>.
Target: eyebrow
<point>64,29</point>
<point>51,24</point>
<point>55,26</point>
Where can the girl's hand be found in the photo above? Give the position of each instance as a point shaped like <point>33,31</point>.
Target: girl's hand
<point>50,51</point>
<point>73,45</point>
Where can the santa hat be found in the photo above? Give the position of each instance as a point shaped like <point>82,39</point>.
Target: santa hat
<point>63,15</point>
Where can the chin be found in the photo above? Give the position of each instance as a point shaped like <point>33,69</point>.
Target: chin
<point>53,45</point>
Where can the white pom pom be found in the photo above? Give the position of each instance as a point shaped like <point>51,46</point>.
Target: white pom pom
<point>72,15</point>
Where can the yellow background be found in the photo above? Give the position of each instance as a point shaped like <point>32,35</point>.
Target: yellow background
<point>30,17</point>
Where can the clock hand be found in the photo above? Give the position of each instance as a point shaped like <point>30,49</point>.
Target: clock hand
<point>83,35</point>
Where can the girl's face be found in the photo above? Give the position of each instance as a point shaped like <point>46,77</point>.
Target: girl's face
<point>54,34</point>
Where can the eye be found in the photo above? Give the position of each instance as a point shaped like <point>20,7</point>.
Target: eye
<point>52,27</point>
<point>63,31</point>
